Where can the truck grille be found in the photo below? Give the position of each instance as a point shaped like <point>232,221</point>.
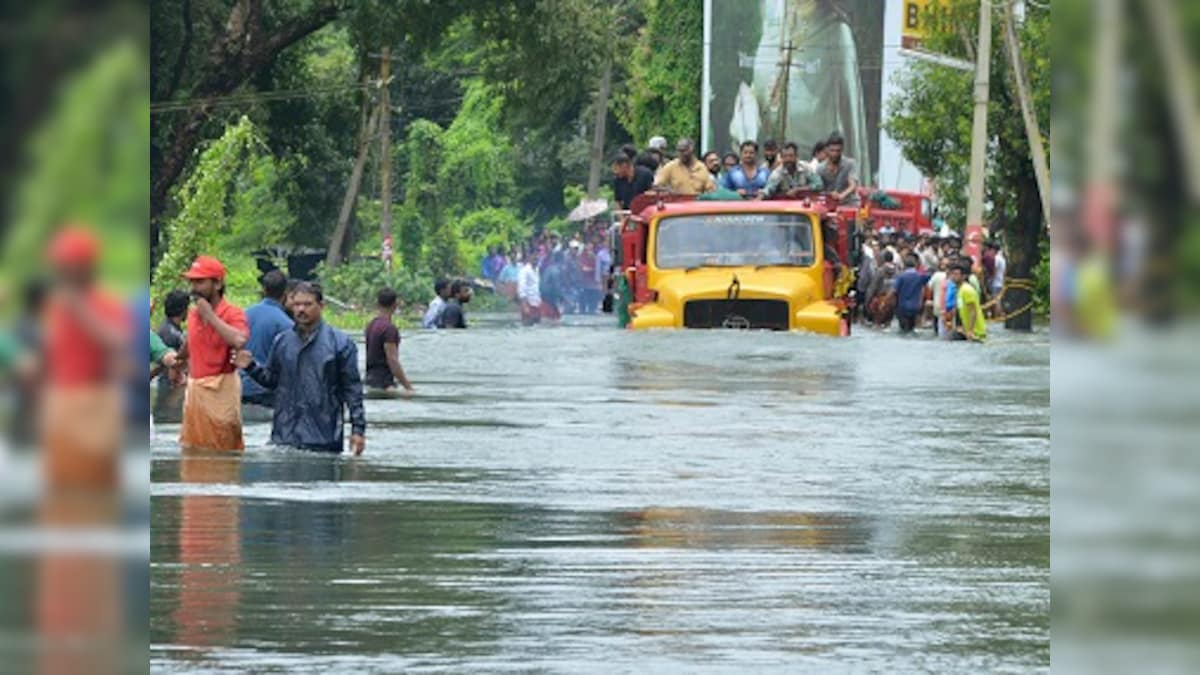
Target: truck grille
<point>759,314</point>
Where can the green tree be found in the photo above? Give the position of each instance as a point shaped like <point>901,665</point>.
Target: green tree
<point>931,121</point>
<point>420,221</point>
<point>663,95</point>
<point>88,164</point>
<point>208,202</point>
<point>478,161</point>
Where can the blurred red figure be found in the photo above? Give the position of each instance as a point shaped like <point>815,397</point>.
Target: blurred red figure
<point>87,332</point>
<point>216,329</point>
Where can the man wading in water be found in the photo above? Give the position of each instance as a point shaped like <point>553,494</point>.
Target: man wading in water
<point>383,347</point>
<point>212,405</point>
<point>313,370</point>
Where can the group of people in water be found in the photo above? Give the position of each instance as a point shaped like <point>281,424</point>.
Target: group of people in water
<point>550,275</point>
<point>278,355</point>
<point>780,171</point>
<point>927,281</point>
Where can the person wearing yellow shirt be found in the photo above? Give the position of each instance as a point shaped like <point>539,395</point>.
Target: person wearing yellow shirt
<point>684,175</point>
<point>972,324</point>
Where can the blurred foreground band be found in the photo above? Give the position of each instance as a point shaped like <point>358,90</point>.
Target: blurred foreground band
<point>74,161</point>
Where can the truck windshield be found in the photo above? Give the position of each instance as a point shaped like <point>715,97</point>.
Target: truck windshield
<point>734,239</point>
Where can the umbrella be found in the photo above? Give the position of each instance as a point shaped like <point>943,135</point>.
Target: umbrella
<point>588,208</point>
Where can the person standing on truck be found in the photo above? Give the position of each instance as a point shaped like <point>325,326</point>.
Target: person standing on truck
<point>818,156</point>
<point>771,158</point>
<point>629,181</point>
<point>712,160</point>
<point>791,177</point>
<point>729,161</point>
<point>747,178</point>
<point>685,175</point>
<point>839,173</point>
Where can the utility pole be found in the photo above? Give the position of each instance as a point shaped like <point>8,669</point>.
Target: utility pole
<point>334,254</point>
<point>1037,152</point>
<point>385,157</point>
<point>979,134</point>
<point>597,163</point>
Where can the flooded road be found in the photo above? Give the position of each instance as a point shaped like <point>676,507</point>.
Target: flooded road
<point>581,498</point>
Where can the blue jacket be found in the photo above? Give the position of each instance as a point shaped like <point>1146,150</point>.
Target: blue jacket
<point>266,320</point>
<point>736,179</point>
<point>314,378</point>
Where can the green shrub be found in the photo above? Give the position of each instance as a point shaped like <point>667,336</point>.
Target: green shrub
<point>356,282</point>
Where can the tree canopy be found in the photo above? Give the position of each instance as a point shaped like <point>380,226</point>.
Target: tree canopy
<point>930,118</point>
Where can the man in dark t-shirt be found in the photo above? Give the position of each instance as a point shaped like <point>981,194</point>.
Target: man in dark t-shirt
<point>629,181</point>
<point>383,347</point>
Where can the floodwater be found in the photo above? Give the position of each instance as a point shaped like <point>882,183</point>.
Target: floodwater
<point>580,498</point>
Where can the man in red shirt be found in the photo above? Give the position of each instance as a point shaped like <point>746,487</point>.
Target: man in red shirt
<point>86,339</point>
<point>212,407</point>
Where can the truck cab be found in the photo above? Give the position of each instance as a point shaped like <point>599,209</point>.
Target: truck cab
<point>775,265</point>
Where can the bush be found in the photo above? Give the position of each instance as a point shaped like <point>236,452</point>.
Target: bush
<point>356,283</point>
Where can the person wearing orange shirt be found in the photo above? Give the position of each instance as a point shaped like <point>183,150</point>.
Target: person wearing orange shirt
<point>216,329</point>
<point>86,338</point>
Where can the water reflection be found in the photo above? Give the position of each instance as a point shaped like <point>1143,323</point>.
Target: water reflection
<point>209,553</point>
<point>714,529</point>
<point>79,598</point>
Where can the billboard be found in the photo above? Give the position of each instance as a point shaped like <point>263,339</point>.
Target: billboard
<point>913,30</point>
<point>794,70</point>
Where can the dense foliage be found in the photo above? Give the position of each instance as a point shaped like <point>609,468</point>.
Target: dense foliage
<point>491,120</point>
<point>210,203</point>
<point>663,97</point>
<point>87,165</point>
<point>930,118</point>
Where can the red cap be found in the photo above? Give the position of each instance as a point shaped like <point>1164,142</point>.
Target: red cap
<point>205,267</point>
<point>74,246</point>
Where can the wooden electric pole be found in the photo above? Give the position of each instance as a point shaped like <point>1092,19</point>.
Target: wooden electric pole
<point>597,163</point>
<point>334,255</point>
<point>979,134</point>
<point>385,157</point>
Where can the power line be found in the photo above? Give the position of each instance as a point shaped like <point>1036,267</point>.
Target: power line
<point>256,97</point>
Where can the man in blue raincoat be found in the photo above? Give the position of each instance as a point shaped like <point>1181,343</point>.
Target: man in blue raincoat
<point>313,370</point>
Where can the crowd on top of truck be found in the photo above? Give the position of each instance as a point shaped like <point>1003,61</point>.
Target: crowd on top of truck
<point>779,172</point>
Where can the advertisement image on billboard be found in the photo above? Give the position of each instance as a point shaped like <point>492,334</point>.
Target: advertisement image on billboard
<point>795,70</point>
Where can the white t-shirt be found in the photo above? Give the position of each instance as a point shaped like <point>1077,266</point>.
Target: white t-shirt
<point>434,313</point>
<point>1001,268</point>
<point>528,286</point>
